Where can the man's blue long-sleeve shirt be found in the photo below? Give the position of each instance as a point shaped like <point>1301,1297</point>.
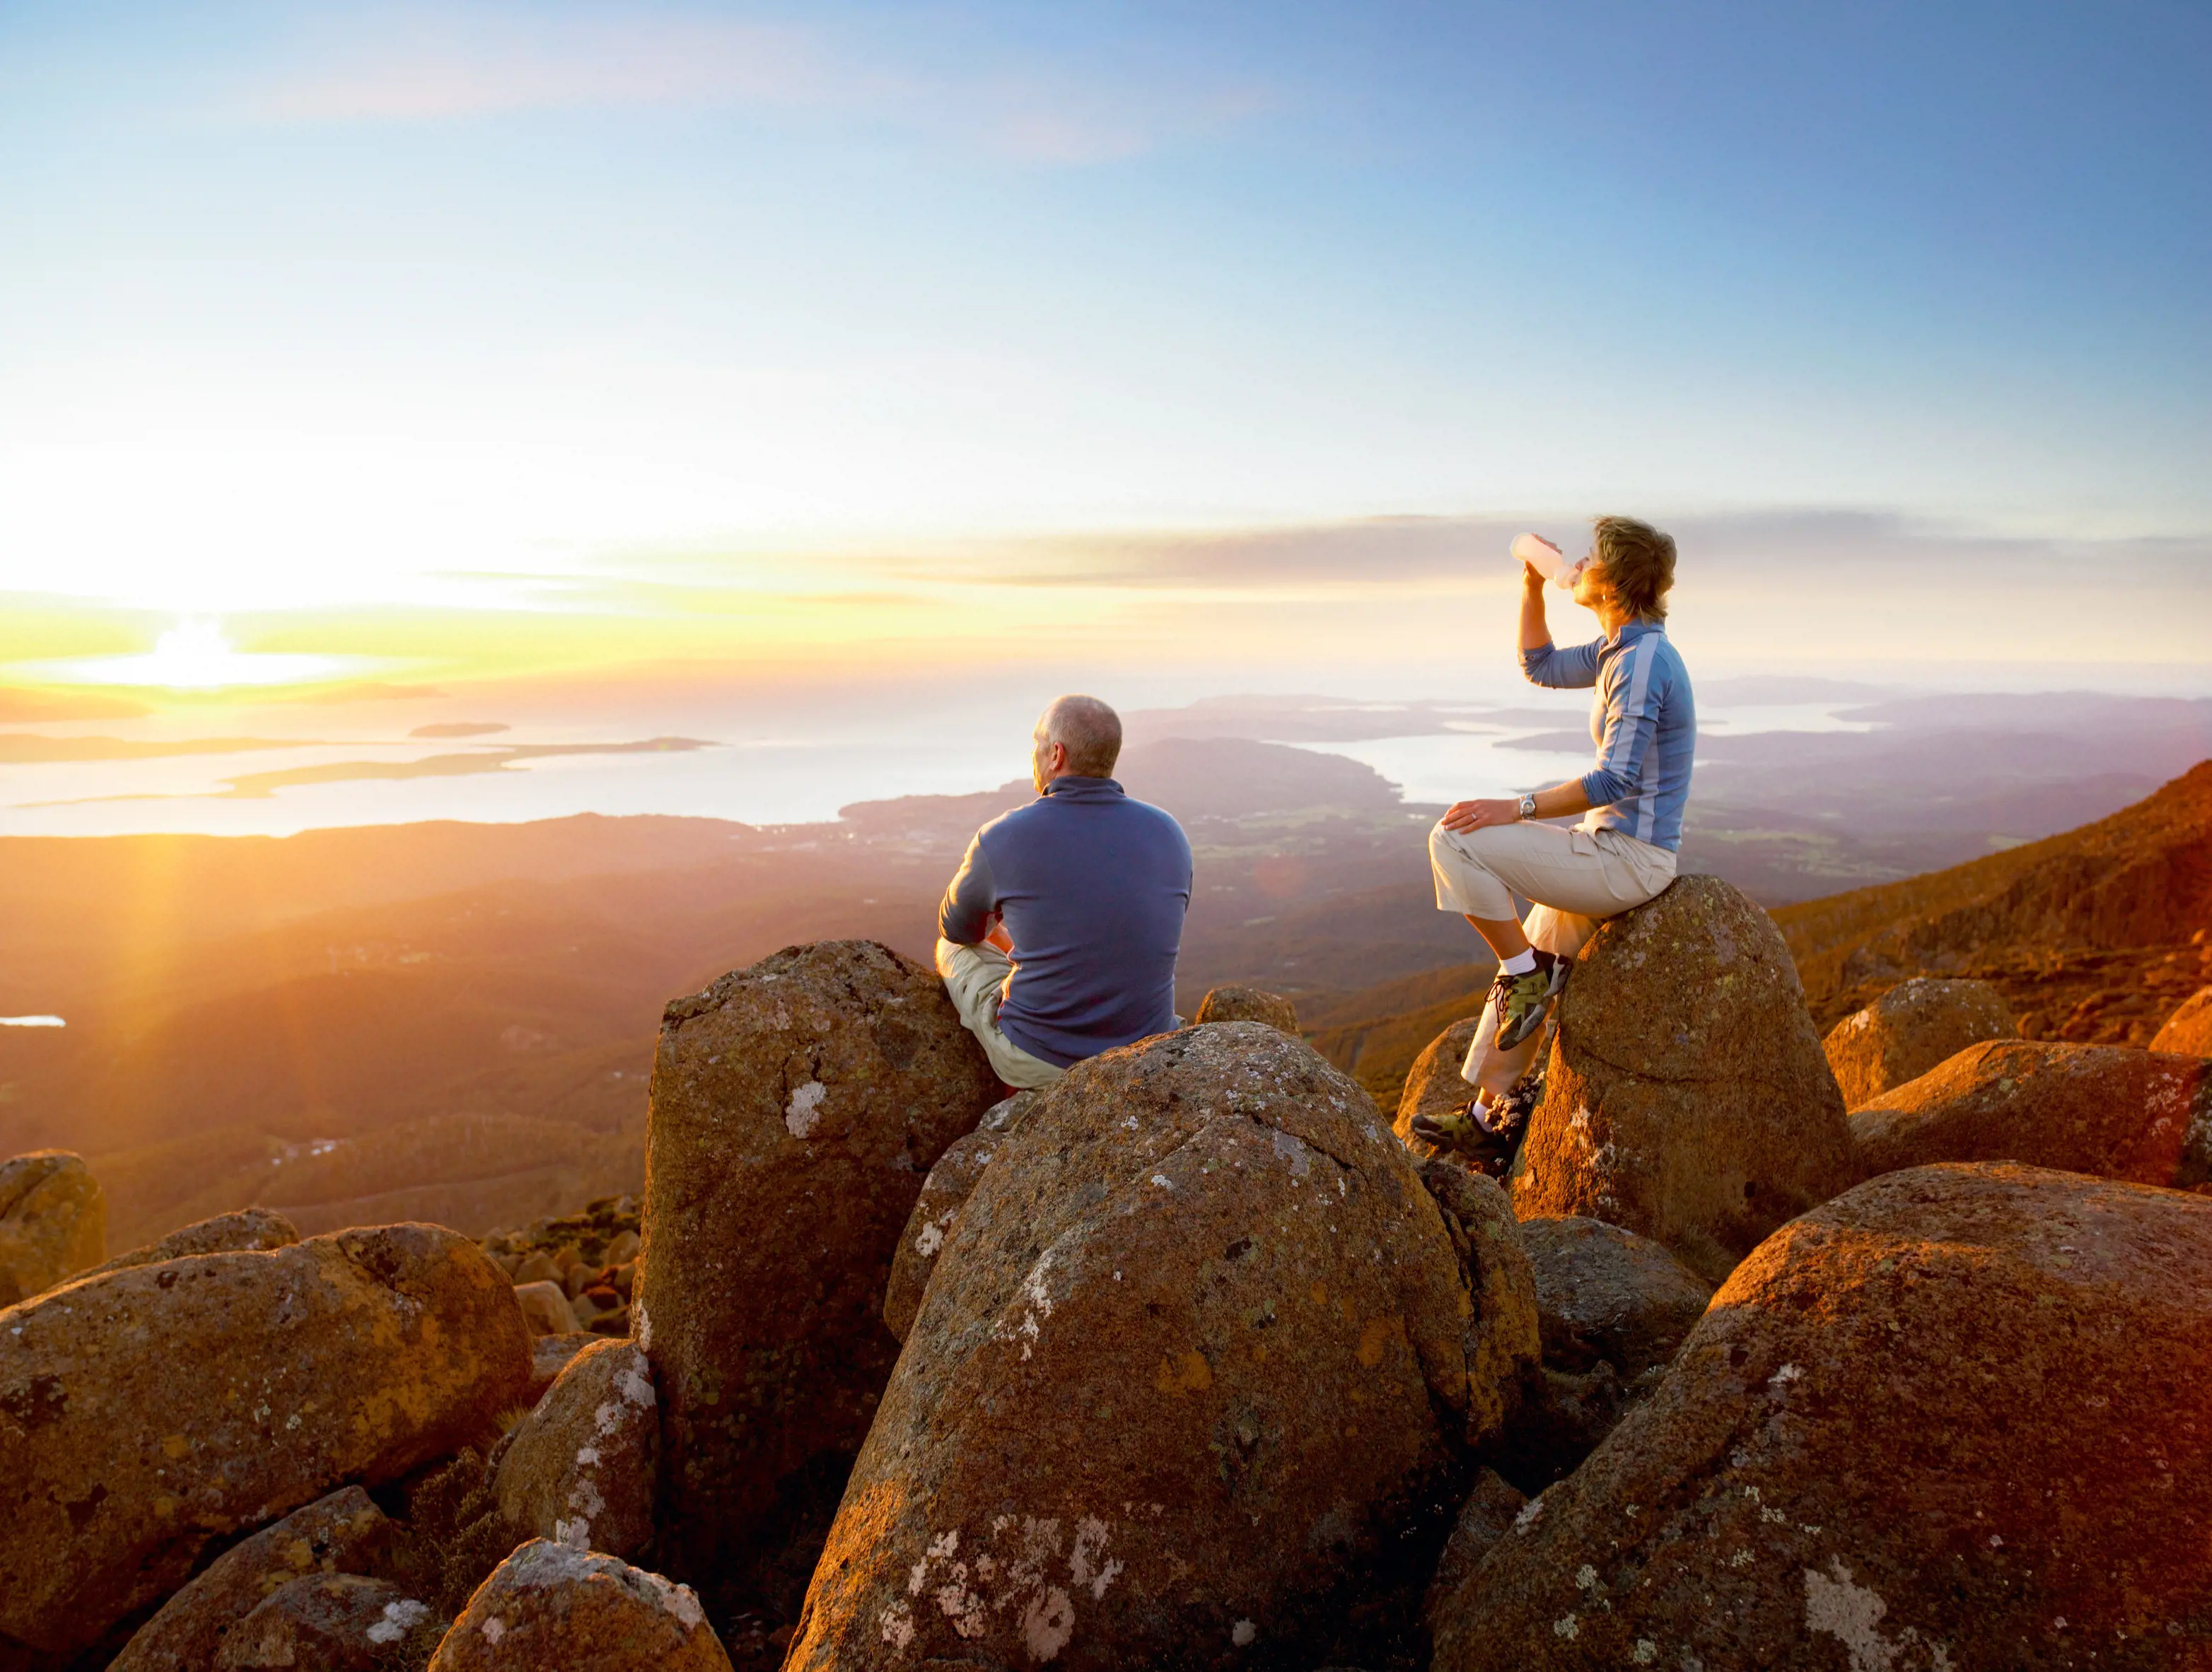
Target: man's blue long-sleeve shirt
<point>1643,721</point>
<point>1093,888</point>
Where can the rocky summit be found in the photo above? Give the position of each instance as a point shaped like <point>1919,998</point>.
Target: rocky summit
<point>1687,1097</point>
<point>1945,1421</point>
<point>1189,1360</point>
<point>1194,1357</point>
<point>797,1106</point>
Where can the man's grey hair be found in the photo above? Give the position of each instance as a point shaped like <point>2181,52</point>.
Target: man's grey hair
<point>1090,730</point>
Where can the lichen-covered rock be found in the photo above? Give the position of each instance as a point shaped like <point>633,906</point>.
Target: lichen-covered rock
<point>342,1533</point>
<point>251,1230</point>
<point>1909,1030</point>
<point>582,1468</point>
<point>150,1412</point>
<point>1687,1097</point>
<point>1192,1360</point>
<point>1433,1086</point>
<point>1503,1337</point>
<point>1248,1005</point>
<point>2111,1110</point>
<point>1605,1294</point>
<point>797,1106</point>
<point>551,1607</point>
<point>545,1308</point>
<point>1950,1419</point>
<point>937,1209</point>
<point>2188,1031</point>
<point>333,1622</point>
<point>53,1222</point>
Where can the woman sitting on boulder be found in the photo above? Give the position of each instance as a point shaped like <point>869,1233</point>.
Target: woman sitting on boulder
<point>1484,853</point>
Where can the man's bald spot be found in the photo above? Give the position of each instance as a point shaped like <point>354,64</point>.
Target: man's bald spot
<point>1087,728</point>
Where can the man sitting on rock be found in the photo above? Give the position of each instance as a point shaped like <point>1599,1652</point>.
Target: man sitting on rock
<point>1484,853</point>
<point>1058,935</point>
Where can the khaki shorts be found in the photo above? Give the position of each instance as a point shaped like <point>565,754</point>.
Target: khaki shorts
<point>975,977</point>
<point>1575,877</point>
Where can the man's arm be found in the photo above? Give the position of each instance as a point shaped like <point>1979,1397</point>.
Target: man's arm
<point>972,901</point>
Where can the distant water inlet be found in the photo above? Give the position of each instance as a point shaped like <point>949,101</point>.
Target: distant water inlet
<point>32,1021</point>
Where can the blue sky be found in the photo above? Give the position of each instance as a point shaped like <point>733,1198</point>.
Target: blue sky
<point>308,307</point>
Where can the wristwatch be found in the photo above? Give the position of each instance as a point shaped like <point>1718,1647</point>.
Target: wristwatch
<point>1528,806</point>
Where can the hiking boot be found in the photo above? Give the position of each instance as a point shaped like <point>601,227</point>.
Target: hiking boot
<point>1523,1001</point>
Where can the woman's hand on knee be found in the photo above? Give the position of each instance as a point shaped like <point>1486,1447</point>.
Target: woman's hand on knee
<point>1464,816</point>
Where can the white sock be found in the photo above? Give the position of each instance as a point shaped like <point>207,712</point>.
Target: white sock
<point>1520,963</point>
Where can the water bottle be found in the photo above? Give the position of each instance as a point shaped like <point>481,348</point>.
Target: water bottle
<point>1547,560</point>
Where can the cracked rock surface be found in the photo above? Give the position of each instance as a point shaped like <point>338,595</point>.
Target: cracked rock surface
<point>1952,1419</point>
<point>797,1106</point>
<point>150,1412</point>
<point>1687,1097</point>
<point>1193,1360</point>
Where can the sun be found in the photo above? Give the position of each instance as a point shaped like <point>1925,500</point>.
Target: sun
<point>196,655</point>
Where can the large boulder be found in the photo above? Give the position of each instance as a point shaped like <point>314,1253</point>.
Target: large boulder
<point>250,1230</point>
<point>1909,1030</point>
<point>2109,1109</point>
<point>333,1622</point>
<point>797,1106</point>
<point>2188,1031</point>
<point>1433,1086</point>
<point>937,1209</point>
<point>1194,1359</point>
<point>1687,1098</point>
<point>552,1606</point>
<point>1952,1419</point>
<point>149,1413</point>
<point>53,1222</point>
<point>1604,1294</point>
<point>342,1533</point>
<point>1248,1005</point>
<point>582,1468</point>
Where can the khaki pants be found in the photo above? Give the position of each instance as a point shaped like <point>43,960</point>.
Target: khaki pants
<point>1575,877</point>
<point>976,979</point>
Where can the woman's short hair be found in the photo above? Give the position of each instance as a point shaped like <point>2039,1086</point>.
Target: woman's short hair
<point>1638,561</point>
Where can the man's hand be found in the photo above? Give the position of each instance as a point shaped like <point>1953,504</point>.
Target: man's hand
<point>998,937</point>
<point>1532,579</point>
<point>1475,814</point>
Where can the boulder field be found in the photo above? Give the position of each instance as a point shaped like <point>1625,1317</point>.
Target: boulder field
<point>797,1105</point>
<point>2115,1111</point>
<point>156,1411</point>
<point>1909,1030</point>
<point>1952,1419</point>
<point>1195,1356</point>
<point>1687,1098</point>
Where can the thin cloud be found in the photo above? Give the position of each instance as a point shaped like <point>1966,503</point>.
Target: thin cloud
<point>441,69</point>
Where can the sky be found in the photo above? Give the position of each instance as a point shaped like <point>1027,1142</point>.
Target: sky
<point>1226,343</point>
